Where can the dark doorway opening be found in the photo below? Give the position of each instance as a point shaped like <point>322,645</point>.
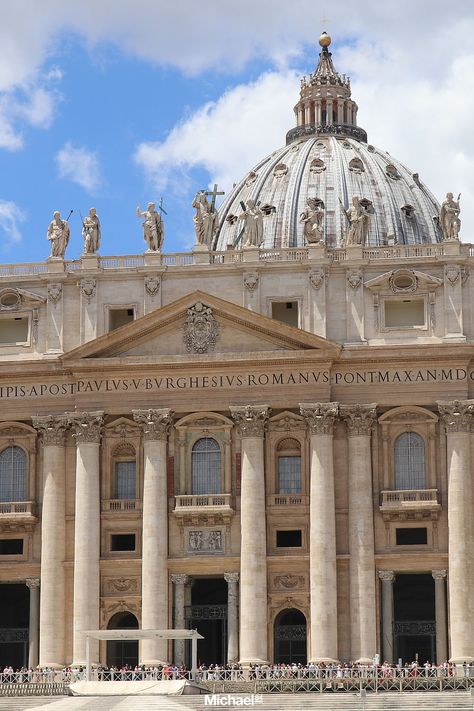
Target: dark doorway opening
<point>290,637</point>
<point>208,614</point>
<point>415,620</point>
<point>14,625</point>
<point>121,653</point>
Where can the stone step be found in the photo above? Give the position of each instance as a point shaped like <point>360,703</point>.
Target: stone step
<point>448,701</point>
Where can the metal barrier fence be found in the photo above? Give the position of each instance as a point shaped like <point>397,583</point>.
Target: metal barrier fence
<point>265,679</point>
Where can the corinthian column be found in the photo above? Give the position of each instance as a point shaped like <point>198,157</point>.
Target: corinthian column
<point>440,614</point>
<point>322,525</point>
<point>33,585</point>
<point>457,418</point>
<point>387,577</point>
<point>179,580</point>
<point>253,551</point>
<point>360,420</point>
<point>86,430</point>
<point>53,535</point>
<point>232,580</point>
<point>155,425</point>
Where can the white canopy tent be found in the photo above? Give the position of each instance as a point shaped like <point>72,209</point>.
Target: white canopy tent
<point>134,634</point>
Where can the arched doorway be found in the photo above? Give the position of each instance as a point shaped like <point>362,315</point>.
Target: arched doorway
<point>122,652</point>
<point>290,637</point>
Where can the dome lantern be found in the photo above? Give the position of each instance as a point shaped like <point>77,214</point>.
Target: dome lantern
<point>325,105</point>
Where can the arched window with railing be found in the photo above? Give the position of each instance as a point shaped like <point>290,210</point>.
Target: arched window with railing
<point>409,461</point>
<point>289,466</point>
<point>13,474</point>
<point>206,466</point>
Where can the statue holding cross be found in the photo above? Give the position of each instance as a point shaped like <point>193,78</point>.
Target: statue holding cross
<point>206,219</point>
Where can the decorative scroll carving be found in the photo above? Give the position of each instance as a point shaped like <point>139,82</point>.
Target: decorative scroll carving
<point>202,541</point>
<point>231,577</point>
<point>86,426</point>
<point>155,423</point>
<point>452,273</point>
<point>439,574</point>
<point>359,418</point>
<point>465,274</point>
<point>317,277</point>
<point>54,293</point>
<point>110,607</point>
<point>15,299</point>
<point>320,416</point>
<point>122,429</point>
<point>251,281</point>
<point>32,583</point>
<point>87,287</point>
<point>457,415</point>
<point>286,423</point>
<point>250,419</point>
<point>200,329</point>
<point>152,285</point>
<point>288,581</point>
<point>121,585</point>
<point>52,429</point>
<point>387,575</point>
<point>354,278</point>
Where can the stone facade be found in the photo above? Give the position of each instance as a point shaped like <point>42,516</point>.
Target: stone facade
<point>295,423</point>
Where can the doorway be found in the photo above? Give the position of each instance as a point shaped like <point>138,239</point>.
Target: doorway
<point>415,619</point>
<point>121,653</point>
<point>14,625</point>
<point>290,637</point>
<point>208,614</point>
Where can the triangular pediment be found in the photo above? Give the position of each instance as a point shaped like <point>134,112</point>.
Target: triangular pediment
<point>201,325</point>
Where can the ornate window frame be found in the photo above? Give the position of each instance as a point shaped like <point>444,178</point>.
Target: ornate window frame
<point>285,425</point>
<point>189,430</point>
<point>120,433</point>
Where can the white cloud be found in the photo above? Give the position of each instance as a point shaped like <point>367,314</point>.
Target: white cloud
<point>10,217</point>
<point>79,165</point>
<point>225,137</point>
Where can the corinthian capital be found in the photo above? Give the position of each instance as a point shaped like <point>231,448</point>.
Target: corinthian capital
<point>439,574</point>
<point>51,429</point>
<point>86,425</point>
<point>231,577</point>
<point>155,424</point>
<point>456,414</point>
<point>319,416</point>
<point>179,578</point>
<point>250,419</point>
<point>359,418</point>
<point>387,576</point>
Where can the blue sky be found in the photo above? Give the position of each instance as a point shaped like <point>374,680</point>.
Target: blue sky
<point>118,102</point>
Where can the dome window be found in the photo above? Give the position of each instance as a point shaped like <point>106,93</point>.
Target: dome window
<point>403,280</point>
<point>280,170</point>
<point>347,145</point>
<point>231,219</point>
<point>392,172</point>
<point>317,166</point>
<point>356,165</point>
<point>371,148</point>
<point>408,211</point>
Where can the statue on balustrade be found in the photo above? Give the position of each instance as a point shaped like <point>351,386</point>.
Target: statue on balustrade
<point>449,218</point>
<point>312,219</point>
<point>252,216</point>
<point>153,227</point>
<point>358,218</point>
<point>206,220</point>
<point>58,234</point>
<point>91,232</point>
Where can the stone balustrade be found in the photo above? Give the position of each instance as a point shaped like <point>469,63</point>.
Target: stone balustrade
<point>408,497</point>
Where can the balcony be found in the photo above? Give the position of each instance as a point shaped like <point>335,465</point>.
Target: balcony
<point>276,500</point>
<point>195,508</point>
<point>17,515</point>
<point>123,505</point>
<point>406,504</point>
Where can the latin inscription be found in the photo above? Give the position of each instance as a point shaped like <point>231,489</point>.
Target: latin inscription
<point>235,381</point>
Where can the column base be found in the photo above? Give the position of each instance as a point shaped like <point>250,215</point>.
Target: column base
<point>364,660</point>
<point>323,660</point>
<point>51,665</point>
<point>462,660</point>
<point>255,660</point>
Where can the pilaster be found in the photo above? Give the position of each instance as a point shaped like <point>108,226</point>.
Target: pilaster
<point>387,577</point>
<point>179,580</point>
<point>232,580</point>
<point>34,586</point>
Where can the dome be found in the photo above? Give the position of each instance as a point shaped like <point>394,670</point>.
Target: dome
<point>327,161</point>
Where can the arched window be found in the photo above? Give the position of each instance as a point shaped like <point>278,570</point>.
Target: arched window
<point>206,466</point>
<point>13,474</point>
<point>125,476</point>
<point>289,467</point>
<point>409,461</point>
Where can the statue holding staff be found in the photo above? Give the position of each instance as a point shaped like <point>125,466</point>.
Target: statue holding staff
<point>153,227</point>
<point>58,234</point>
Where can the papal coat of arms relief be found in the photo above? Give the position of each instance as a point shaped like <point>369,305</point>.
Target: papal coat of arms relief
<point>200,329</point>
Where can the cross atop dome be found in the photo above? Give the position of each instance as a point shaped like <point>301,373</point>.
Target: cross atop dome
<point>325,104</point>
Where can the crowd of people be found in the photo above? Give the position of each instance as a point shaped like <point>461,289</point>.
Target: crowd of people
<point>235,672</point>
